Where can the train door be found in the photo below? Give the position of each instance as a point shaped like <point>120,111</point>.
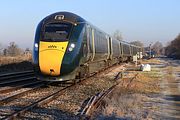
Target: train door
<point>91,44</point>
<point>107,38</point>
<point>111,48</point>
<point>88,35</point>
<point>120,49</point>
<point>122,52</point>
<point>130,50</point>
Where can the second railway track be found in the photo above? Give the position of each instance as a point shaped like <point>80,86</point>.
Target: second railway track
<point>15,78</point>
<point>14,81</point>
<point>46,96</point>
<point>15,85</point>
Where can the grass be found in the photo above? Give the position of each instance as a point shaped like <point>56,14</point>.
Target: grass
<point>140,100</point>
<point>5,60</point>
<point>13,64</point>
<point>152,74</point>
<point>152,61</point>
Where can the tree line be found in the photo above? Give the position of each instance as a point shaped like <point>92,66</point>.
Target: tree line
<point>13,50</point>
<point>173,49</point>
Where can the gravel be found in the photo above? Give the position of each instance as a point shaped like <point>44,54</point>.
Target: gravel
<point>68,105</point>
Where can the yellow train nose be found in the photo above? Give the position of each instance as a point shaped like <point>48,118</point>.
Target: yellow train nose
<point>50,57</point>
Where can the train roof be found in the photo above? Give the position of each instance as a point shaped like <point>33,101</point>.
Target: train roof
<point>65,16</point>
<point>75,19</point>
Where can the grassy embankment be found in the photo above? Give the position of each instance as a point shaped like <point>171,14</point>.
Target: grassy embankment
<point>12,64</point>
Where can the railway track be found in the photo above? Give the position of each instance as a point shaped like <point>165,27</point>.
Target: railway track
<point>16,78</point>
<point>34,86</point>
<point>43,100</point>
<point>46,95</point>
<point>16,84</point>
<point>95,101</point>
<point>15,74</point>
<point>40,101</point>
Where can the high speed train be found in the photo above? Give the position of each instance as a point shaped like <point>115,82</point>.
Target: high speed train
<point>68,47</point>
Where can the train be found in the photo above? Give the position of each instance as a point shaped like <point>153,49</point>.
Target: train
<point>67,47</point>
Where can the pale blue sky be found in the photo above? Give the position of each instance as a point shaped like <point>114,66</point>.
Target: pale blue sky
<point>144,20</point>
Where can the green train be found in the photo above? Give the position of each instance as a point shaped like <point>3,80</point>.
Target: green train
<point>67,47</point>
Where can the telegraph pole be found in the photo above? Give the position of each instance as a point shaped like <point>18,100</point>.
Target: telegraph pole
<point>150,50</point>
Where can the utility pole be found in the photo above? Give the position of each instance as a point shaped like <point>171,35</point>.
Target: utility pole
<point>150,50</point>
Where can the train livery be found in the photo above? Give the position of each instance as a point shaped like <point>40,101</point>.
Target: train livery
<point>67,47</point>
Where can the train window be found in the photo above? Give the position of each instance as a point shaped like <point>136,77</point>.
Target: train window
<point>57,32</point>
<point>101,43</point>
<point>115,47</point>
<point>126,49</point>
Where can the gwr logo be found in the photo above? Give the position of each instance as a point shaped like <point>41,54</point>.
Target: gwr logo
<point>52,46</point>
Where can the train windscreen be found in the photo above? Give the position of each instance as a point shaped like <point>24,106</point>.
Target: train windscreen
<point>56,32</point>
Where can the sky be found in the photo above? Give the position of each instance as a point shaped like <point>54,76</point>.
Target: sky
<point>145,20</point>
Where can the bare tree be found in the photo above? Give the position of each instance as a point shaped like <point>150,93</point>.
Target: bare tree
<point>157,47</point>
<point>5,52</point>
<point>117,35</point>
<point>173,49</point>
<point>137,43</point>
<point>1,48</point>
<point>13,49</point>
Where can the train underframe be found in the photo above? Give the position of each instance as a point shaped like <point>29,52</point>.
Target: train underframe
<point>85,70</point>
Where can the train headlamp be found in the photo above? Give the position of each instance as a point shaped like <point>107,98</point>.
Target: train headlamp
<point>36,46</point>
<point>71,47</point>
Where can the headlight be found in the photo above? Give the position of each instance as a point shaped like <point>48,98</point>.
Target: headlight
<point>71,47</point>
<point>36,46</point>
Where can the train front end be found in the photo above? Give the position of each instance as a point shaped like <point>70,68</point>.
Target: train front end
<point>57,46</point>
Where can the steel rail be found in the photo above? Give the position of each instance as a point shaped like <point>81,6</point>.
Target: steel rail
<point>14,73</point>
<point>15,76</point>
<point>12,97</point>
<point>17,80</point>
<point>5,90</point>
<point>39,102</point>
<point>46,99</point>
<point>93,103</point>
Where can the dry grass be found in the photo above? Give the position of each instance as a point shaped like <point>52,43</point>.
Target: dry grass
<point>126,100</point>
<point>13,64</point>
<point>152,61</point>
<point>9,60</point>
